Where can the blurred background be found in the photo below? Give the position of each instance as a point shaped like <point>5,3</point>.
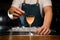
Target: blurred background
<point>5,22</point>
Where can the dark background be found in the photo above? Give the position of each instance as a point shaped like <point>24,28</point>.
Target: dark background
<point>5,5</point>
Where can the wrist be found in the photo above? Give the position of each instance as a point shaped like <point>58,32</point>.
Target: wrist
<point>46,25</point>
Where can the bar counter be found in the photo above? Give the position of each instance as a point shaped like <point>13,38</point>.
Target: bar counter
<point>26,37</point>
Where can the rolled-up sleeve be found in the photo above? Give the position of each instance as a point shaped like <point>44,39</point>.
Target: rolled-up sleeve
<point>10,15</point>
<point>47,3</point>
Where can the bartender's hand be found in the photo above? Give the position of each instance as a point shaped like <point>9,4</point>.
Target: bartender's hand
<point>44,30</point>
<point>17,12</point>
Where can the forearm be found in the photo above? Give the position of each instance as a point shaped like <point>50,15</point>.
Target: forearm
<point>48,17</point>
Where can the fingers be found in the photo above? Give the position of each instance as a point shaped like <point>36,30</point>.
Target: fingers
<point>20,10</point>
<point>43,31</point>
<point>17,12</point>
<point>47,32</point>
<point>15,17</point>
<point>37,31</point>
<point>12,9</point>
<point>40,30</point>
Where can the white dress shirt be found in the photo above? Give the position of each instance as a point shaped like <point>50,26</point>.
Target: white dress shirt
<point>18,3</point>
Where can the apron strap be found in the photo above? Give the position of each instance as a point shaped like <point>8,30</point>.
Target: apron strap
<point>36,2</point>
<point>24,1</point>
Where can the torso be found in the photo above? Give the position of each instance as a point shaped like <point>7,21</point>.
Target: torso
<point>33,9</point>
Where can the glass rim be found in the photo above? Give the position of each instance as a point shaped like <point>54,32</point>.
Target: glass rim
<point>30,16</point>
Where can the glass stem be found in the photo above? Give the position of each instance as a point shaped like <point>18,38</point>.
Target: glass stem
<point>30,28</point>
<point>30,25</point>
<point>30,31</point>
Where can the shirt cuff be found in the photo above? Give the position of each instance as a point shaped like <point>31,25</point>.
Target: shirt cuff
<point>10,15</point>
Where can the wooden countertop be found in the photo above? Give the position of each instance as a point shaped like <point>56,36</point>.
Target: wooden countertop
<point>20,37</point>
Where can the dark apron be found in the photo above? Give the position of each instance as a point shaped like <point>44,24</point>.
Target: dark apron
<point>33,9</point>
